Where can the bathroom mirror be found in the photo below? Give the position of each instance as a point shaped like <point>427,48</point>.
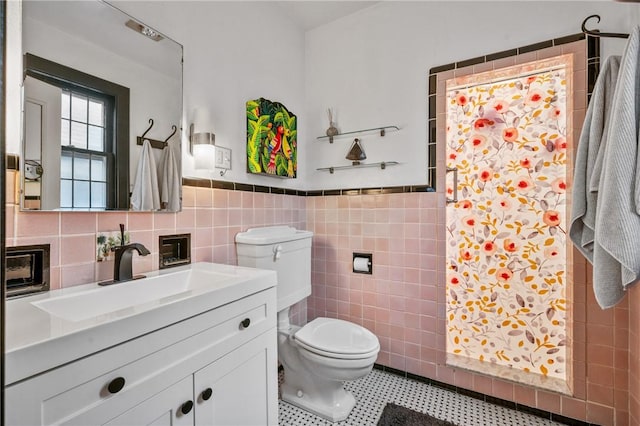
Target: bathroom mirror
<point>94,78</point>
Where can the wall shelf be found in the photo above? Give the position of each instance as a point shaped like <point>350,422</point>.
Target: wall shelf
<point>383,165</point>
<point>383,131</point>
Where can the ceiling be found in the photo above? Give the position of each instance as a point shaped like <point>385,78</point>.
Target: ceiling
<point>311,14</point>
<point>90,21</point>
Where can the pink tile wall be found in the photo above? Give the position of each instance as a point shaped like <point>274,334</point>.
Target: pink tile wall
<point>212,216</point>
<point>399,301</point>
<point>403,303</point>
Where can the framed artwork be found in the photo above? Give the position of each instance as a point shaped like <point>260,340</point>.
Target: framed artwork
<point>272,135</point>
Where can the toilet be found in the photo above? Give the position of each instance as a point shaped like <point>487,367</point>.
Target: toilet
<point>320,356</point>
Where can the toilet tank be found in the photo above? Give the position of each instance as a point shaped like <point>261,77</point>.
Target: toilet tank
<point>284,249</point>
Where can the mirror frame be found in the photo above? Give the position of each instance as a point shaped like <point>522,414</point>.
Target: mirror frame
<point>55,74</point>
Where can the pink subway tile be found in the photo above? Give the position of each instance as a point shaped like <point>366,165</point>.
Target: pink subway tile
<point>397,362</point>
<point>259,200</point>
<point>36,224</point>
<point>247,218</point>
<point>202,254</point>
<point>600,394</point>
<point>600,414</point>
<point>204,218</point>
<point>482,384</point>
<point>184,219</point>
<point>144,264</point>
<point>247,200</point>
<point>139,221</point>
<point>445,374</point>
<point>220,198</point>
<point>235,199</point>
<point>573,408</point>
<point>164,220</point>
<point>204,197</point>
<point>104,271</point>
<point>54,278</point>
<point>188,196</point>
<point>203,238</point>
<point>548,401</point>
<point>110,221</point>
<point>149,239</point>
<point>502,389</point>
<point>71,275</point>
<point>220,254</point>
<point>524,395</point>
<point>77,249</point>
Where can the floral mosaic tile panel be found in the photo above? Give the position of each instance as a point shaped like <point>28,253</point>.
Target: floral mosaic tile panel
<point>506,259</point>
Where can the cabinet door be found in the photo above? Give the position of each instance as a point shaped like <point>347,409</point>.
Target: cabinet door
<point>170,407</point>
<point>243,386</point>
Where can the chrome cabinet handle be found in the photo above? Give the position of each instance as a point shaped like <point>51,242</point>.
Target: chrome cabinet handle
<point>455,185</point>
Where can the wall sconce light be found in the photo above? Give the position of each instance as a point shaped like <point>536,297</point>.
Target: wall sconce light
<point>202,141</point>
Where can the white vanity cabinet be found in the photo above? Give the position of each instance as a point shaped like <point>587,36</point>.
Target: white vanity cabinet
<point>218,367</point>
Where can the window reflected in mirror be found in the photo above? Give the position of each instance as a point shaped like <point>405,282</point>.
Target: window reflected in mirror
<point>75,134</point>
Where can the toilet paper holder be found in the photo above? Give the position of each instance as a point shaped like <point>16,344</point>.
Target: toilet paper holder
<point>363,263</point>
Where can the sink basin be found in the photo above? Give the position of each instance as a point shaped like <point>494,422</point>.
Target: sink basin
<point>136,295</point>
<point>74,322</point>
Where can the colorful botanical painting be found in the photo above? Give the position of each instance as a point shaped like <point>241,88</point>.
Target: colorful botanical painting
<point>272,145</point>
<point>506,258</point>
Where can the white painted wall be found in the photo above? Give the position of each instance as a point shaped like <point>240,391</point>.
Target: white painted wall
<point>372,67</point>
<point>44,146</point>
<point>233,52</point>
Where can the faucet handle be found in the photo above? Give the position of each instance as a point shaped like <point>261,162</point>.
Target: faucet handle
<point>122,234</point>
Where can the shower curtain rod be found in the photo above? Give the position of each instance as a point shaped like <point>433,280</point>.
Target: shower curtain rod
<point>597,33</point>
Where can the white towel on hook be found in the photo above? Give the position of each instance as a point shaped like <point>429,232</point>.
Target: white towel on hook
<point>145,195</point>
<point>590,153</point>
<point>169,180</point>
<point>616,254</point>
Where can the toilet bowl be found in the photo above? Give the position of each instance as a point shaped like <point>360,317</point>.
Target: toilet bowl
<point>318,358</point>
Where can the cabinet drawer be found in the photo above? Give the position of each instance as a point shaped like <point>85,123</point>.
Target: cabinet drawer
<point>78,393</point>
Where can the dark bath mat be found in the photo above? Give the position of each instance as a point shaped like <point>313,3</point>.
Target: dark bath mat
<point>396,415</point>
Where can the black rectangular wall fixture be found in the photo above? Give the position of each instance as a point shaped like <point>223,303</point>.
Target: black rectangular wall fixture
<point>27,269</point>
<point>363,263</point>
<point>175,250</point>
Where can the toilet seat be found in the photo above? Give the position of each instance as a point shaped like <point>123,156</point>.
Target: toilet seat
<point>336,338</point>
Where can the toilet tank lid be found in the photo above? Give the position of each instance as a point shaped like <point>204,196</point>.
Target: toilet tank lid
<point>271,235</point>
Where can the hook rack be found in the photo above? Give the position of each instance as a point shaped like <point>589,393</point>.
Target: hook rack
<point>597,33</point>
<point>154,142</point>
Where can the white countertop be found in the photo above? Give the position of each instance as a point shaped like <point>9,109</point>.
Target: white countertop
<point>37,340</point>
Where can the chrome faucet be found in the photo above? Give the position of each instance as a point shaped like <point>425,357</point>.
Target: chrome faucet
<point>123,267</point>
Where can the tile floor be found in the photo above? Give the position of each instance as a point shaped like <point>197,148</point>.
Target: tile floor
<point>379,387</point>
